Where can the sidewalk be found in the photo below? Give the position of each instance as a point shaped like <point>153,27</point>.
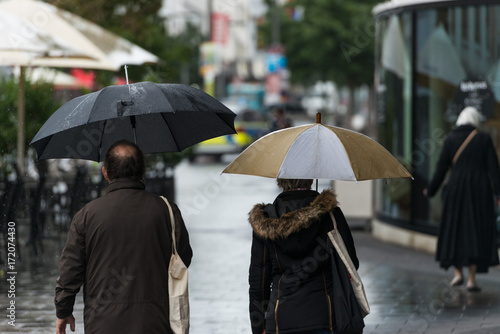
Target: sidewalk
<point>409,293</point>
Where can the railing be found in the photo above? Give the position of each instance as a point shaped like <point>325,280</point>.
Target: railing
<point>46,206</point>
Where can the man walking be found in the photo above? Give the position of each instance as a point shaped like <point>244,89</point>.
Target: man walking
<point>119,247</point>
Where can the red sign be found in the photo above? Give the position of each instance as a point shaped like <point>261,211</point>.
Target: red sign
<point>219,28</point>
<point>85,78</point>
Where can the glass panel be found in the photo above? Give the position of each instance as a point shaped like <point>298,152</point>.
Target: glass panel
<point>457,64</point>
<point>393,86</point>
<point>437,78</point>
<point>456,50</point>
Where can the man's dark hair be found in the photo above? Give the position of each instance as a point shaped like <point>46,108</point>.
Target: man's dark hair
<point>124,159</point>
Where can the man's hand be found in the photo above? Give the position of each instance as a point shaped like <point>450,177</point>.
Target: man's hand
<point>61,324</point>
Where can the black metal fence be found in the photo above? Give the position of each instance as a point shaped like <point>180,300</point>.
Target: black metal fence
<point>46,206</point>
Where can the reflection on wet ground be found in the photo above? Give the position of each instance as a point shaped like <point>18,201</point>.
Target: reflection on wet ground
<point>408,293</point>
<point>34,286</point>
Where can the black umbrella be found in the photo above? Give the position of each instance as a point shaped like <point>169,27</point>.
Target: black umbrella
<point>158,117</point>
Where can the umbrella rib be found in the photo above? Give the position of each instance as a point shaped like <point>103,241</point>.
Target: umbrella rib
<point>228,124</point>
<point>102,139</point>
<point>168,126</point>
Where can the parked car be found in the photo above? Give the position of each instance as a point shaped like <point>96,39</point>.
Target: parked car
<point>249,124</point>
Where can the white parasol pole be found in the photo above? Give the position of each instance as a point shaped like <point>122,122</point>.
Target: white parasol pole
<point>21,115</point>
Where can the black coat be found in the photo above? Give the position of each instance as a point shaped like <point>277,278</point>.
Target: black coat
<point>119,247</point>
<point>290,271</point>
<point>467,233</point>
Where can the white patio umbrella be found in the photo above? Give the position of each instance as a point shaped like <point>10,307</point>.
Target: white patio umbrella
<point>119,50</point>
<point>20,46</point>
<point>43,19</point>
<point>64,40</point>
<point>19,35</point>
<point>107,49</point>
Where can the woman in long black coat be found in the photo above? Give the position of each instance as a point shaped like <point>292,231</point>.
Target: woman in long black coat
<point>290,271</point>
<point>467,234</point>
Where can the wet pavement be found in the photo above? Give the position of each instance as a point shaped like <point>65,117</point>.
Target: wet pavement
<point>407,291</point>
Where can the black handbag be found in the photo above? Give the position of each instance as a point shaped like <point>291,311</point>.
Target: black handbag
<point>346,310</point>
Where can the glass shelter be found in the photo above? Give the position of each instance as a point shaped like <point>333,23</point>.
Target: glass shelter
<point>433,58</point>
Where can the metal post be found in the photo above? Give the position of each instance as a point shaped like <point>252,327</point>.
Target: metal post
<point>210,12</point>
<point>21,111</point>
<point>276,24</point>
<point>125,67</point>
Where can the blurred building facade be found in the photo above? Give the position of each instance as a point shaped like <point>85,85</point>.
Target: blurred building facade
<point>231,46</point>
<point>433,58</point>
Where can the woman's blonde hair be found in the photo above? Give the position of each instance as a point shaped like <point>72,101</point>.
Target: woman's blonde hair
<point>290,184</point>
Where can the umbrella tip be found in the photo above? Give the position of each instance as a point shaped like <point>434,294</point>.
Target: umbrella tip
<point>318,117</point>
<point>125,67</point>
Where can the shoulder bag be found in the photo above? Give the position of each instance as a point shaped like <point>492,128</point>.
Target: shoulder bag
<point>349,299</point>
<point>177,286</point>
<point>463,146</point>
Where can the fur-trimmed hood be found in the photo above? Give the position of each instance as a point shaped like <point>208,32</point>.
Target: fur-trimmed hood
<point>291,222</point>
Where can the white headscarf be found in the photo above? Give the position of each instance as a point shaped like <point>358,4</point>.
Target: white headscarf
<point>469,115</point>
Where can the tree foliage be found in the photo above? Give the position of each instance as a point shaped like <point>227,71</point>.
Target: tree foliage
<point>334,40</point>
<point>39,103</point>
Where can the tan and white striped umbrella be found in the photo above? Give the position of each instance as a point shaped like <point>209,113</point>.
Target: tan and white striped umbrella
<point>317,151</point>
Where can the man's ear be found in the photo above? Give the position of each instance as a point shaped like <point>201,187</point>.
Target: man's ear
<point>105,173</point>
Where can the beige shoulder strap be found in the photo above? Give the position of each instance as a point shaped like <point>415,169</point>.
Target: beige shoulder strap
<point>172,221</point>
<point>462,147</point>
<point>333,220</point>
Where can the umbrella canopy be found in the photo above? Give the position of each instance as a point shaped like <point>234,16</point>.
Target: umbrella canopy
<point>119,50</point>
<point>36,26</point>
<point>44,19</point>
<point>158,117</point>
<point>15,38</point>
<point>317,151</point>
